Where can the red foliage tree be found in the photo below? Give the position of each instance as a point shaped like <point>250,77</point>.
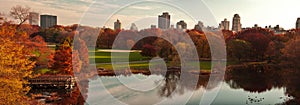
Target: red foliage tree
<point>81,51</point>
<point>106,38</point>
<point>148,50</point>
<point>259,38</point>
<point>291,52</point>
<point>63,59</point>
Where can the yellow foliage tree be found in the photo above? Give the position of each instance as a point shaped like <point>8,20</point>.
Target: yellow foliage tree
<point>15,66</point>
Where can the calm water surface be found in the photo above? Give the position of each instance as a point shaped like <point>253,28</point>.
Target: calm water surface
<point>251,87</point>
<point>171,91</point>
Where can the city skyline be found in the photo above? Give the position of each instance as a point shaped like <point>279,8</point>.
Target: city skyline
<point>251,11</point>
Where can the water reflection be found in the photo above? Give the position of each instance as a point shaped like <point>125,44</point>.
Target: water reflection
<point>171,84</point>
<point>275,86</point>
<point>258,82</point>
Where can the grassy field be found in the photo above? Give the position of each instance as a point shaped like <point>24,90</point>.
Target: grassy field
<point>103,59</point>
<point>137,61</point>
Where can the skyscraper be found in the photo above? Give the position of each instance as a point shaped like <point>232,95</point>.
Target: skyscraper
<point>236,23</point>
<point>117,25</point>
<point>48,21</point>
<point>33,18</point>
<point>199,26</point>
<point>2,18</point>
<point>133,27</point>
<point>298,23</point>
<point>153,26</point>
<point>181,25</point>
<point>224,25</point>
<point>164,21</point>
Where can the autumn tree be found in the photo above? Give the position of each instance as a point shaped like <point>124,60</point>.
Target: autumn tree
<point>106,38</point>
<point>201,43</point>
<point>227,34</point>
<point>88,34</point>
<point>69,58</point>
<point>80,55</point>
<point>39,48</point>
<point>184,49</point>
<point>291,52</point>
<point>20,13</point>
<point>164,49</point>
<point>125,39</point>
<point>63,58</point>
<point>15,65</point>
<point>259,39</point>
<point>148,50</point>
<point>239,49</point>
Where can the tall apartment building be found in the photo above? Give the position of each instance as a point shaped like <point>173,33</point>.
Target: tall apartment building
<point>224,25</point>
<point>298,23</point>
<point>199,26</point>
<point>48,21</point>
<point>164,21</point>
<point>117,25</point>
<point>34,18</point>
<point>236,23</point>
<point>133,27</point>
<point>181,25</point>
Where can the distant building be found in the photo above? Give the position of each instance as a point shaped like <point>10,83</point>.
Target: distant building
<point>153,26</point>
<point>33,18</point>
<point>298,23</point>
<point>164,21</point>
<point>2,18</point>
<point>236,23</point>
<point>181,25</point>
<point>199,26</point>
<point>117,25</point>
<point>277,29</point>
<point>212,28</point>
<point>256,26</point>
<point>133,27</point>
<point>48,21</point>
<point>224,25</point>
<point>221,27</point>
<point>172,27</point>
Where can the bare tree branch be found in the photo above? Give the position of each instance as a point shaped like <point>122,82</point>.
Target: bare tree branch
<point>20,13</point>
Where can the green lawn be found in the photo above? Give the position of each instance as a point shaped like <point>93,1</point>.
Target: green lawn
<point>103,59</point>
<point>204,65</point>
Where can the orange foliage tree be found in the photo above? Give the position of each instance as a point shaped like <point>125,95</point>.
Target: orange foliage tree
<point>15,65</point>
<point>259,39</point>
<point>291,52</point>
<point>64,61</point>
<point>63,58</point>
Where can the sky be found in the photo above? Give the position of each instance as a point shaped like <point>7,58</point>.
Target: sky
<point>143,13</point>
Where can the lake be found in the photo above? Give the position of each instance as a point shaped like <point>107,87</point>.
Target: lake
<point>113,92</point>
<point>244,87</point>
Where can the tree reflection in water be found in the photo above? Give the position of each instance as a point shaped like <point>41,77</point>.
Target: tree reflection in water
<point>174,83</point>
<point>254,81</point>
<point>249,80</point>
<point>171,84</point>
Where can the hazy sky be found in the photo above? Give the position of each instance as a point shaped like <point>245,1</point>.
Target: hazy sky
<point>144,12</point>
